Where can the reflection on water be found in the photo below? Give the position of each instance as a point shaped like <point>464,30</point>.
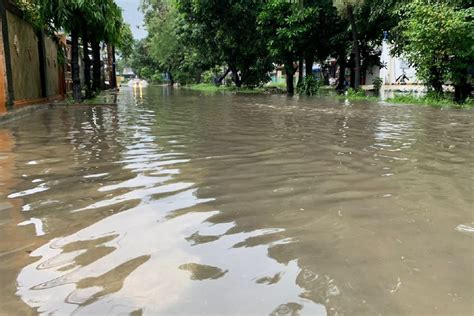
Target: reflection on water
<point>242,205</point>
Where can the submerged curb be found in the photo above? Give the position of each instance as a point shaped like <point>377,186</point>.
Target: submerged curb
<point>23,111</point>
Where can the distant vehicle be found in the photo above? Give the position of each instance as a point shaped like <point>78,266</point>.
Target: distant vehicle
<point>133,83</point>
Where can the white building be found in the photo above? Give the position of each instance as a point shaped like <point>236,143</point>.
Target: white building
<point>394,69</point>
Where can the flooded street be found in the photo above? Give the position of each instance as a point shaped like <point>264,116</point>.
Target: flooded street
<point>180,203</point>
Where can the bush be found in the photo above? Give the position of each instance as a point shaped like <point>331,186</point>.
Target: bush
<point>430,99</point>
<point>309,86</point>
<point>146,73</point>
<point>359,93</point>
<point>377,82</point>
<point>157,78</point>
<point>207,77</point>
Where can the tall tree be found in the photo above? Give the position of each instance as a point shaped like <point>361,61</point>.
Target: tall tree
<point>225,32</point>
<point>437,37</point>
<point>68,15</point>
<point>285,25</point>
<point>94,21</point>
<point>346,8</point>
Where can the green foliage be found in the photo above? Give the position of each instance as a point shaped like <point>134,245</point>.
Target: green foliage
<point>208,76</point>
<point>125,42</point>
<point>356,93</point>
<point>309,86</point>
<point>31,12</point>
<point>430,99</point>
<point>206,87</point>
<point>377,83</point>
<point>342,5</point>
<point>188,38</point>
<point>157,78</point>
<point>437,37</point>
<point>146,72</point>
<point>101,19</point>
<point>167,50</point>
<point>224,32</point>
<point>141,58</point>
<point>286,27</point>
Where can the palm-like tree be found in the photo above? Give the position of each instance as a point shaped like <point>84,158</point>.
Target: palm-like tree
<point>68,15</point>
<point>94,21</point>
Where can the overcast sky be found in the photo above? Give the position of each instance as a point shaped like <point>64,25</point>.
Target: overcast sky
<point>133,17</point>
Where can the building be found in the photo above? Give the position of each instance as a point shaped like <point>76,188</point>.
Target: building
<point>395,70</point>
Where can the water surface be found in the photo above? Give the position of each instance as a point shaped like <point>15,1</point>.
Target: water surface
<point>180,203</point>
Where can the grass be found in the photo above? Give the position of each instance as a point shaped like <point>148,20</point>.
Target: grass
<point>279,85</point>
<point>355,95</point>
<point>430,100</point>
<point>272,87</point>
<point>209,87</point>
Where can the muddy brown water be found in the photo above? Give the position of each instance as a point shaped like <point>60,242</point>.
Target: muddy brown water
<point>180,203</point>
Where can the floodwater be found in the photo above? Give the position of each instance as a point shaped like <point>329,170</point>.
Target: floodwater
<point>179,203</point>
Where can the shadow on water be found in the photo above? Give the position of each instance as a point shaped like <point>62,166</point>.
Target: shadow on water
<point>176,203</point>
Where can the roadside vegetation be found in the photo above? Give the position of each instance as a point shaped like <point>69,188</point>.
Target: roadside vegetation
<point>431,99</point>
<point>208,87</point>
<point>240,43</point>
<point>90,25</point>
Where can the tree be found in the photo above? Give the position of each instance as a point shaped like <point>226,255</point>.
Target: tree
<point>94,21</point>
<point>70,16</point>
<point>437,37</point>
<point>285,26</point>
<point>225,33</point>
<point>346,8</point>
<point>141,59</point>
<point>163,41</point>
<point>116,33</point>
<point>125,41</point>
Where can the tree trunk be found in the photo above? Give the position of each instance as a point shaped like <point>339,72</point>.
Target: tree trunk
<point>223,76</point>
<point>87,65</point>
<point>352,71</point>
<point>235,77</point>
<point>300,71</point>
<point>289,73</point>
<point>309,59</point>
<point>198,76</point>
<point>342,73</point>
<point>96,65</point>
<point>355,47</point>
<point>462,90</point>
<point>171,78</point>
<point>113,83</point>
<point>102,73</point>
<point>436,81</point>
<point>76,78</point>
<point>110,69</point>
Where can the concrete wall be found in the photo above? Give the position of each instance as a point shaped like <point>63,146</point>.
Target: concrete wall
<point>24,59</point>
<point>3,84</point>
<point>53,88</point>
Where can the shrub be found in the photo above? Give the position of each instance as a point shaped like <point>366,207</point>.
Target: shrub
<point>358,93</point>
<point>377,82</point>
<point>309,86</point>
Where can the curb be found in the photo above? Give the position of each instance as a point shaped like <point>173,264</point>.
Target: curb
<point>23,111</point>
